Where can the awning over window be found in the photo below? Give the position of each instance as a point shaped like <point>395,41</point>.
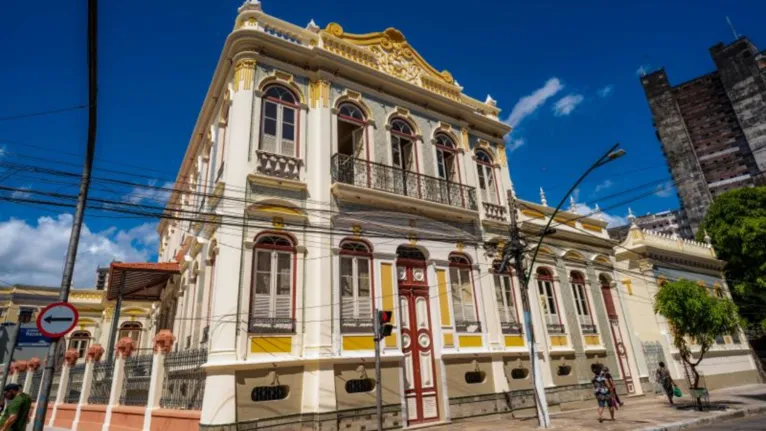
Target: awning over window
<point>141,281</point>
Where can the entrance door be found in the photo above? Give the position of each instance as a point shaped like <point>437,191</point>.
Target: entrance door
<point>619,345</point>
<point>417,343</point>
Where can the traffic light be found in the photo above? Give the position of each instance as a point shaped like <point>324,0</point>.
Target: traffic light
<point>384,321</point>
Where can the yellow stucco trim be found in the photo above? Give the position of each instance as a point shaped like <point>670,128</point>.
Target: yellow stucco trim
<point>559,340</point>
<point>441,281</point>
<point>592,227</point>
<point>449,340</point>
<point>470,341</point>
<point>514,341</point>
<point>565,221</point>
<point>358,342</point>
<point>532,213</point>
<point>271,344</point>
<point>628,285</point>
<point>592,340</point>
<point>387,287</point>
<point>391,340</point>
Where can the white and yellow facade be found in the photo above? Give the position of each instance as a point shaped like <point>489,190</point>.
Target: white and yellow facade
<point>332,174</point>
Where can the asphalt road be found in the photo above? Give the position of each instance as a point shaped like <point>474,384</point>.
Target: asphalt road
<point>751,423</point>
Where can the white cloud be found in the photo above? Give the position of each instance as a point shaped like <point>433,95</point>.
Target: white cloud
<point>156,195</point>
<point>612,220</point>
<point>21,194</point>
<point>664,190</point>
<point>642,70</point>
<point>604,92</point>
<point>2,151</point>
<point>603,185</point>
<point>567,104</point>
<point>514,144</point>
<point>34,253</point>
<point>527,105</point>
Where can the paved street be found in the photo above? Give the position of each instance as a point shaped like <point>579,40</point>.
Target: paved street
<point>752,423</point>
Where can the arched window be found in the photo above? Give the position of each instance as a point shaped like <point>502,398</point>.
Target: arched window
<point>402,145</point>
<point>132,330</point>
<point>462,294</point>
<point>351,121</point>
<point>486,170</point>
<point>279,121</point>
<point>506,303</point>
<point>80,341</point>
<point>271,308</point>
<point>355,286</point>
<point>548,300</point>
<point>577,280</point>
<point>446,160</point>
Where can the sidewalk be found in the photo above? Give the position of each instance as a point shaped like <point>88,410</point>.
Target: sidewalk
<point>642,413</point>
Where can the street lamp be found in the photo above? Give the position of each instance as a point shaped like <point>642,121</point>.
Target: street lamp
<point>515,250</point>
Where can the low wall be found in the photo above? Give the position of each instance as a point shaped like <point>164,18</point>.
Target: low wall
<point>91,417</point>
<point>125,418</point>
<point>164,419</point>
<point>64,415</point>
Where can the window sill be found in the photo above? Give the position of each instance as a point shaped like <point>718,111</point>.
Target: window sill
<point>282,183</point>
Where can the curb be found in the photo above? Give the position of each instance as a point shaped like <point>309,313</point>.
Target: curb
<point>693,423</point>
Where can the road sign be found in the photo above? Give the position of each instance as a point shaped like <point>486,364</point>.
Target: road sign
<point>31,337</point>
<point>55,320</point>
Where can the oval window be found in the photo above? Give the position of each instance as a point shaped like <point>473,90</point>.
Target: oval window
<point>564,370</point>
<point>269,393</point>
<point>596,368</point>
<point>474,377</point>
<point>356,386</point>
<point>519,373</point>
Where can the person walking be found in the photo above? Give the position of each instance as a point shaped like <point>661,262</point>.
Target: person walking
<point>662,376</point>
<point>17,407</point>
<point>612,387</point>
<point>603,395</point>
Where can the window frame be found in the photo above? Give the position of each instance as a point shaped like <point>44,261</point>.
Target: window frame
<point>360,123</point>
<point>544,275</point>
<point>355,256</point>
<point>396,137</point>
<point>504,308</point>
<point>273,251</point>
<point>28,313</point>
<point>75,342</point>
<point>484,170</point>
<point>577,279</point>
<point>279,119</point>
<point>442,151</point>
<point>129,327</point>
<point>461,264</point>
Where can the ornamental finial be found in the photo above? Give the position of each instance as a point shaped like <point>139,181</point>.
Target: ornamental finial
<point>572,204</point>
<point>708,240</point>
<point>312,26</point>
<point>490,101</point>
<point>250,5</point>
<point>599,214</point>
<point>543,200</point>
<point>631,217</point>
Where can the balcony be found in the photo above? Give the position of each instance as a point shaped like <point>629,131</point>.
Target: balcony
<point>494,212</point>
<point>589,329</point>
<point>467,326</point>
<point>271,325</point>
<point>511,328</point>
<point>555,328</point>
<point>356,326</point>
<point>276,165</point>
<point>376,176</point>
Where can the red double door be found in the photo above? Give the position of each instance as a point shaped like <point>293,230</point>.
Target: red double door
<point>417,342</point>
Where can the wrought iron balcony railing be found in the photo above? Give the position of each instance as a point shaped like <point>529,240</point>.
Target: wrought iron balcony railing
<point>467,326</point>
<point>376,176</point>
<point>555,328</point>
<point>272,325</point>
<point>494,212</point>
<point>350,325</point>
<point>510,328</point>
<point>589,329</point>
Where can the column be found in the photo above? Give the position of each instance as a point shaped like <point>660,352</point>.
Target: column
<point>95,352</point>
<point>32,366</point>
<point>163,343</point>
<point>218,406</point>
<point>124,350</point>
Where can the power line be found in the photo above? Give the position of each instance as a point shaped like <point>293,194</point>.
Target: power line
<point>42,113</point>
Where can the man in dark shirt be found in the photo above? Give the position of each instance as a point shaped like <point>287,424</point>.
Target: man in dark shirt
<point>17,406</point>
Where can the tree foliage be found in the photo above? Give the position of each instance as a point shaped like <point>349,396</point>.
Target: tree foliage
<point>693,313</point>
<point>736,222</point>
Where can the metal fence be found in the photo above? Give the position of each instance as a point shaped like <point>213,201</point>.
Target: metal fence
<point>138,372</point>
<point>102,383</point>
<point>76,375</point>
<point>37,378</point>
<point>21,378</point>
<point>55,383</point>
<point>184,383</point>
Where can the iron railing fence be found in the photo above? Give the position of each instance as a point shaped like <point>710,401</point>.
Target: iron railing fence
<point>135,388</point>
<point>74,387</point>
<point>102,383</point>
<point>184,383</point>
<point>510,328</point>
<point>37,378</point>
<point>362,173</point>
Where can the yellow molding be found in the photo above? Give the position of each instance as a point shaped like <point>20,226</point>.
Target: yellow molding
<point>592,340</point>
<point>244,72</point>
<point>565,221</point>
<point>559,340</point>
<point>444,310</point>
<point>449,340</point>
<point>387,287</point>
<point>532,213</point>
<point>358,342</point>
<point>514,341</point>
<point>470,341</point>
<point>270,344</point>
<point>592,227</point>
<point>391,341</point>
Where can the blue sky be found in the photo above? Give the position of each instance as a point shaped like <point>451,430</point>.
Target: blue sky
<point>569,70</point>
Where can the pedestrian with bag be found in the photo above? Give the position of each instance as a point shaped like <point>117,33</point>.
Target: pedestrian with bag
<point>603,394</point>
<point>612,387</point>
<point>662,376</point>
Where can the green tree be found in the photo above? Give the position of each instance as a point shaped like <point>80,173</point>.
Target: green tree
<point>693,313</point>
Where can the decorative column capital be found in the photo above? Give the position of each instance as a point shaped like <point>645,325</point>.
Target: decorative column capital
<point>71,356</point>
<point>95,352</point>
<point>163,341</point>
<point>125,347</point>
<point>244,73</point>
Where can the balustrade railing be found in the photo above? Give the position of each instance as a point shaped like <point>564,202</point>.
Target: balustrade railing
<point>277,165</point>
<point>555,328</point>
<point>272,325</point>
<point>510,328</point>
<point>494,212</point>
<point>376,176</point>
<point>589,329</point>
<point>350,325</point>
<point>467,326</point>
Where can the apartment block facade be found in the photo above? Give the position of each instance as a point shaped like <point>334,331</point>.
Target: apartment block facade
<point>712,128</point>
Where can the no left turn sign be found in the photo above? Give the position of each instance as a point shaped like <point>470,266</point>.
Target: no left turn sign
<point>57,319</point>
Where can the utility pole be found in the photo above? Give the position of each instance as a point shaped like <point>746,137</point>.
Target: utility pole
<point>378,388</point>
<point>82,198</point>
<point>12,341</point>
<point>515,250</point>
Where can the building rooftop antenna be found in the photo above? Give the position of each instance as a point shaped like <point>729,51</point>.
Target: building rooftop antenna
<point>733,31</point>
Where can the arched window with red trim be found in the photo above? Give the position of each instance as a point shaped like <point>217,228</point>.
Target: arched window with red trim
<point>463,302</point>
<point>355,286</point>
<point>548,300</point>
<point>582,305</point>
<point>506,302</point>
<point>446,158</point>
<point>279,121</point>
<point>487,183</point>
<point>80,341</point>
<point>351,122</point>
<point>271,307</point>
<point>132,330</point>
<point>402,145</point>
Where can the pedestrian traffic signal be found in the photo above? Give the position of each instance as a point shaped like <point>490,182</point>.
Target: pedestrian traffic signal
<point>384,322</point>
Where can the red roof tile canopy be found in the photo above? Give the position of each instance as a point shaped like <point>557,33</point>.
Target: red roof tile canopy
<point>143,281</point>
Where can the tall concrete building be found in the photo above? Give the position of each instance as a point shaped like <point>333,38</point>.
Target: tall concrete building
<point>671,223</point>
<point>713,128</point>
